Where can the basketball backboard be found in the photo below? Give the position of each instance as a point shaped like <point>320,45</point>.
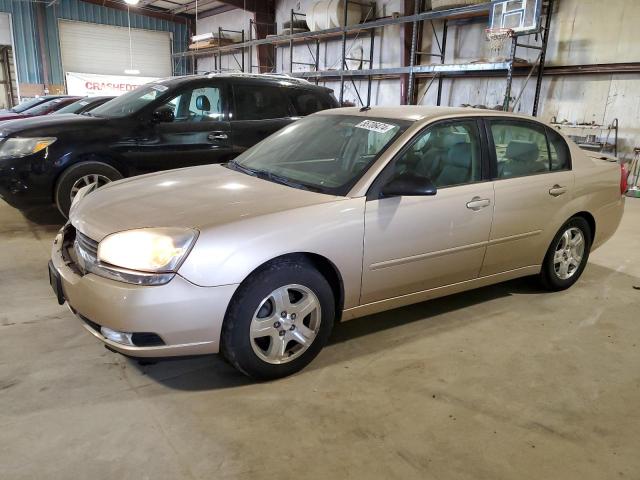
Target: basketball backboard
<point>522,16</point>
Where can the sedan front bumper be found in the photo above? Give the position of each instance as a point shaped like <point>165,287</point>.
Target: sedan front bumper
<point>187,318</point>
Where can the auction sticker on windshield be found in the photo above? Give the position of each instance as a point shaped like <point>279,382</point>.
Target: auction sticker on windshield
<point>375,126</point>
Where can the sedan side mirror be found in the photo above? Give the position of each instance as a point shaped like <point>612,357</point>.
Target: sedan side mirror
<point>410,185</point>
<point>164,115</point>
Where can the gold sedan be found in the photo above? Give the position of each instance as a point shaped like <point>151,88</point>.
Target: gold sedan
<point>342,214</point>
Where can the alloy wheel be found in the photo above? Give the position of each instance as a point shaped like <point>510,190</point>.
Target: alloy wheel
<point>569,253</point>
<point>285,324</point>
<point>94,179</point>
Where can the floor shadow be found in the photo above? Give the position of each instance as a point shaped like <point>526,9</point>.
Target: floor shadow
<point>426,311</point>
<point>199,373</point>
<point>44,216</point>
<point>212,372</point>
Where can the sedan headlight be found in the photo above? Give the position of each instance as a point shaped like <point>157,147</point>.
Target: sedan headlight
<point>153,250</point>
<point>22,147</point>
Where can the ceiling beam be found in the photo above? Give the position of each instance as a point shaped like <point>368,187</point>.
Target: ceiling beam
<point>140,11</point>
<point>202,4</point>
<point>255,6</point>
<point>216,11</point>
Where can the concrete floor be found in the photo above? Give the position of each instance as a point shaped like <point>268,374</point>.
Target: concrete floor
<point>505,382</point>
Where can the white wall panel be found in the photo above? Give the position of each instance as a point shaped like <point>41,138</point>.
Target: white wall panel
<point>92,48</point>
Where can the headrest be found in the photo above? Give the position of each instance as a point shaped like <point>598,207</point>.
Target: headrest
<point>459,155</point>
<point>446,140</point>
<point>520,151</point>
<point>202,103</point>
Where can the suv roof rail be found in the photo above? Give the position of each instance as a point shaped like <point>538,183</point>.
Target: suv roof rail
<point>259,75</point>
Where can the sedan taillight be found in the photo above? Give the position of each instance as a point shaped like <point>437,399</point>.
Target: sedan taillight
<point>623,179</point>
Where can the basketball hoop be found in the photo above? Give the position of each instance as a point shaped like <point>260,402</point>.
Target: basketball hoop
<point>497,38</point>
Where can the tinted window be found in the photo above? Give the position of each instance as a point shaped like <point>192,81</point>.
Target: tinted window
<point>306,102</point>
<point>559,151</point>
<point>258,102</point>
<point>448,154</point>
<point>521,148</point>
<point>198,105</point>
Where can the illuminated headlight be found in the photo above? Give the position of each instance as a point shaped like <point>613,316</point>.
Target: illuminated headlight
<point>22,147</point>
<point>152,250</point>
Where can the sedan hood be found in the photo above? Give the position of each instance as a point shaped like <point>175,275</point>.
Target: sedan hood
<point>195,197</point>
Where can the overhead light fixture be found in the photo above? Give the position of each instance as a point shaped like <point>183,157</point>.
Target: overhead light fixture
<point>130,70</point>
<point>131,2</point>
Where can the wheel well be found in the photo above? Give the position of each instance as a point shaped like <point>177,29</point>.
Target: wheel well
<point>324,266</point>
<point>591,221</point>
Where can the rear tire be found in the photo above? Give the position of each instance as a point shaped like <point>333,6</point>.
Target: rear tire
<point>266,336</point>
<point>73,176</point>
<point>567,256</point>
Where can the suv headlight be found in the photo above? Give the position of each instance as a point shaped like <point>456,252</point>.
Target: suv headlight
<point>151,250</point>
<point>22,147</point>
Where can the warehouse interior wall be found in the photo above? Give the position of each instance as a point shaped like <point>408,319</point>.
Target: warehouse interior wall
<point>33,76</point>
<point>582,32</point>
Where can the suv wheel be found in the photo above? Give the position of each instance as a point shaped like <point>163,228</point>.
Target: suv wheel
<point>278,321</point>
<point>78,176</point>
<point>567,256</point>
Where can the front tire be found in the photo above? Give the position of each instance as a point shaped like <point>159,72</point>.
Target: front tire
<point>81,175</point>
<point>278,321</point>
<point>567,256</point>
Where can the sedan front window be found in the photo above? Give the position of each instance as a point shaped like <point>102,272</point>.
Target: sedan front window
<point>326,153</point>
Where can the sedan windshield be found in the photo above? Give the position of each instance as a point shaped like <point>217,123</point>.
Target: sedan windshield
<point>325,153</point>
<point>130,102</point>
<point>75,107</point>
<point>28,104</point>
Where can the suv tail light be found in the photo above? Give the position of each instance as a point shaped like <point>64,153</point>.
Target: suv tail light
<point>623,179</point>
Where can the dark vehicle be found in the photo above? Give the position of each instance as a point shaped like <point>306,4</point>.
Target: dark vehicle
<point>84,105</point>
<point>172,123</point>
<point>29,104</point>
<point>43,108</point>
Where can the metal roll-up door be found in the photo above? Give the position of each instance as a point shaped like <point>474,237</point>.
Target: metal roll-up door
<point>104,49</point>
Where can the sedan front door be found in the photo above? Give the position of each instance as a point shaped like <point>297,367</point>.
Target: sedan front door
<point>197,133</point>
<point>417,243</point>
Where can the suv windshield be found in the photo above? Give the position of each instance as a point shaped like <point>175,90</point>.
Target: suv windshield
<point>130,102</point>
<point>325,153</point>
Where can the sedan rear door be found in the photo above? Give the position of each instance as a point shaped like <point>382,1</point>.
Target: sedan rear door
<point>533,188</point>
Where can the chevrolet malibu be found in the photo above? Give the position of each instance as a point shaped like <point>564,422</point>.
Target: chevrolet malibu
<point>342,214</point>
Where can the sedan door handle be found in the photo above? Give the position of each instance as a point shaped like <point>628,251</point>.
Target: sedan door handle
<point>478,203</point>
<point>557,190</point>
<point>217,136</point>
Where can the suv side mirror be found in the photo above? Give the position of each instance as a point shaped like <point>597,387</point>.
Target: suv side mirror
<point>164,115</point>
<point>410,185</point>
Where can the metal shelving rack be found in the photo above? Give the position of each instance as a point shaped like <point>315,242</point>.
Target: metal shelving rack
<point>415,70</point>
<point>586,137</point>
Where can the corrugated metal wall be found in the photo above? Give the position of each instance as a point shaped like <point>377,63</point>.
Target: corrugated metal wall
<point>27,50</point>
<point>27,53</point>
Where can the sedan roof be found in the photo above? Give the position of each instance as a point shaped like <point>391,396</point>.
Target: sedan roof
<point>417,112</point>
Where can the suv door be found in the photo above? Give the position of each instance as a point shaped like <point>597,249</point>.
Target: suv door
<point>533,187</point>
<point>260,109</point>
<point>198,134</point>
<point>418,243</point>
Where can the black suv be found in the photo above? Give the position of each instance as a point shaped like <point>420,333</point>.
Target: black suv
<point>172,123</point>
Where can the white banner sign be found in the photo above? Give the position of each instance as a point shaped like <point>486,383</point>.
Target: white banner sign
<point>92,85</point>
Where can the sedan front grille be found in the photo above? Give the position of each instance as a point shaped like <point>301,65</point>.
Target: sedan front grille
<point>86,244</point>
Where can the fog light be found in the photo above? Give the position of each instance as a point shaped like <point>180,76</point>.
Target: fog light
<point>122,338</point>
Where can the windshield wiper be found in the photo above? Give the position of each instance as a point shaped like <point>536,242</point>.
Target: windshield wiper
<point>241,168</point>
